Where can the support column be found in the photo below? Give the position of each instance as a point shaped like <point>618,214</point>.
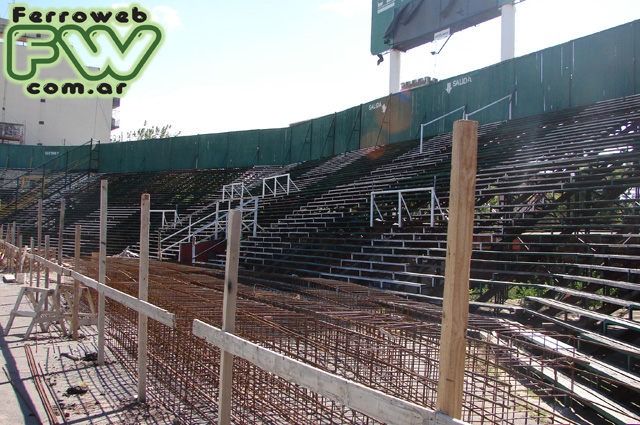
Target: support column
<point>102,268</point>
<point>395,61</point>
<point>143,294</point>
<point>234,230</point>
<point>508,38</point>
<point>47,255</point>
<point>38,266</point>
<point>76,284</point>
<point>455,310</point>
<point>60,237</point>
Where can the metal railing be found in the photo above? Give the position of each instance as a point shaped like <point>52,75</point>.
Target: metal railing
<point>235,191</point>
<point>278,183</point>
<point>216,223</point>
<point>167,213</point>
<point>465,115</point>
<point>25,196</point>
<point>402,204</point>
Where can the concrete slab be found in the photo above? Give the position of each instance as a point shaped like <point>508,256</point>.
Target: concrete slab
<point>110,396</point>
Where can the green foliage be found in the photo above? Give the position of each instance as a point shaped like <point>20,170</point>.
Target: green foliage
<point>519,292</point>
<point>147,133</point>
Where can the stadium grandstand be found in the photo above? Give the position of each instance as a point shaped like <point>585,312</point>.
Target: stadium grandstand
<point>344,240</point>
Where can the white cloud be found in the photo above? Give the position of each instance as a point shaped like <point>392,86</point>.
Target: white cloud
<point>167,17</point>
<point>345,8</point>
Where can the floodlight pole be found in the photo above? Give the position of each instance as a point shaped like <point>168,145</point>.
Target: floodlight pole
<point>394,72</point>
<point>508,39</point>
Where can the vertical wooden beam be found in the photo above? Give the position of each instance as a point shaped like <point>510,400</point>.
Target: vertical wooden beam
<point>47,255</point>
<point>31,244</point>
<point>19,254</point>
<point>76,284</point>
<point>234,230</point>
<point>102,267</point>
<point>39,241</point>
<point>143,294</point>
<point>455,311</point>
<point>13,252</point>
<point>60,237</point>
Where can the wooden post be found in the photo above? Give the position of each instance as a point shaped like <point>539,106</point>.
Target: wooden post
<point>31,262</point>
<point>47,255</point>
<point>455,311</point>
<point>39,240</point>
<point>102,267</point>
<point>143,294</point>
<point>234,230</point>
<point>76,284</point>
<point>19,253</point>
<point>60,237</point>
<point>13,252</point>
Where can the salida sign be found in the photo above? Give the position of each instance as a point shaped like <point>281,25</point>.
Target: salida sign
<point>121,41</point>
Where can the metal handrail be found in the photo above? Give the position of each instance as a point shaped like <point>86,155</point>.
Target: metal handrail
<point>56,158</point>
<point>274,191</point>
<point>401,202</point>
<point>218,220</point>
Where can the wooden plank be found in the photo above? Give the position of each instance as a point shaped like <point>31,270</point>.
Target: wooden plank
<point>47,255</point>
<point>61,236</point>
<point>605,282</point>
<point>31,246</point>
<point>50,265</point>
<point>455,310</point>
<point>585,334</point>
<point>102,267</point>
<point>143,295</point>
<point>592,398</point>
<point>234,232</point>
<point>153,312</point>
<point>156,313</point>
<point>39,241</point>
<point>599,367</point>
<point>76,284</point>
<point>371,402</point>
<point>629,324</point>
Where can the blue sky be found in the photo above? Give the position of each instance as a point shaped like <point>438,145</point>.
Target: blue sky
<point>238,65</point>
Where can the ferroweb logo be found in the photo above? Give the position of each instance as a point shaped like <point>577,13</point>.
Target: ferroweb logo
<point>107,49</point>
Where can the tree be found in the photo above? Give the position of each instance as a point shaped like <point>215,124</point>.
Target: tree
<point>147,133</point>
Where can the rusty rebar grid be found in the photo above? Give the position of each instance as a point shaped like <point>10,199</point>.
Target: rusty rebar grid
<point>368,336</point>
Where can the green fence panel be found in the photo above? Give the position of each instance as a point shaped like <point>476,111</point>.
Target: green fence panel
<point>401,117</point>
<point>348,128</point>
<point>375,123</point>
<point>213,150</point>
<point>274,146</point>
<point>581,72</point>
<point>636,55</point>
<point>556,76</point>
<point>243,148</point>
<point>490,93</point>
<point>183,153</point>
<point>323,135</point>
<point>132,157</point>
<point>603,66</point>
<point>301,141</point>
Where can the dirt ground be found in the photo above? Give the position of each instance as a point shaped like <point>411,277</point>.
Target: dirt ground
<point>78,390</point>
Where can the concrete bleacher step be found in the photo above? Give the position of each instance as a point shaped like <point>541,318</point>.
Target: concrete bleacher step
<point>612,344</point>
<point>598,317</point>
<point>602,403</point>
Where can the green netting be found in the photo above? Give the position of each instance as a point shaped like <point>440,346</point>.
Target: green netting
<point>581,72</point>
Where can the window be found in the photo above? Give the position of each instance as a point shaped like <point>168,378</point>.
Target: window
<point>41,122</point>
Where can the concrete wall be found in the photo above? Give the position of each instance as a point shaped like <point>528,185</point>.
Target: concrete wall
<point>54,121</point>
